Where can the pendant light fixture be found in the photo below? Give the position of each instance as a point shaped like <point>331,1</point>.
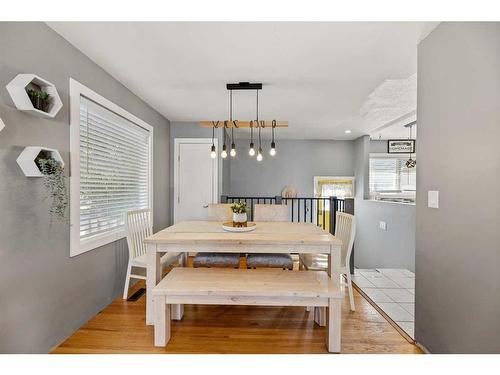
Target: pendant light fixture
<point>251,151</point>
<point>259,154</point>
<point>257,122</point>
<point>223,154</point>
<point>272,151</point>
<point>233,124</point>
<point>213,153</point>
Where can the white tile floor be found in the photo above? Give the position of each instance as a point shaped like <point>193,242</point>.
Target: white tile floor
<point>393,290</point>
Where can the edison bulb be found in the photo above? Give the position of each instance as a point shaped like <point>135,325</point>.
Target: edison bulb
<point>259,156</point>
<point>251,151</point>
<point>232,152</point>
<point>213,154</point>
<point>223,154</point>
<point>272,151</point>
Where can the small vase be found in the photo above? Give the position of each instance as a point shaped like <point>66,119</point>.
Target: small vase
<point>240,219</point>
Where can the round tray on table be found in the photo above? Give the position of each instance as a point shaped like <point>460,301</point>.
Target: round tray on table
<point>230,227</point>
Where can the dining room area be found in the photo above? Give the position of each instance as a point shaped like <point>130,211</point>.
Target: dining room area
<point>248,195</point>
<point>268,285</point>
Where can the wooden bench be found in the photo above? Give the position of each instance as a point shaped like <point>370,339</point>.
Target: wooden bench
<point>262,287</point>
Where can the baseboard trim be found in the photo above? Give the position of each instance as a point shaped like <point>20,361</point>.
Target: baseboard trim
<point>423,348</point>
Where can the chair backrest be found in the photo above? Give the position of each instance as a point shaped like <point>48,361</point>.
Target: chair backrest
<point>220,212</point>
<point>271,212</point>
<point>138,227</point>
<point>345,230</point>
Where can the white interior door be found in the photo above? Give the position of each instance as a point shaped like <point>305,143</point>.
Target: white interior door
<point>195,184</point>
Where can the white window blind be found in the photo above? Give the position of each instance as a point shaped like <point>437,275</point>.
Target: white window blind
<point>115,157</point>
<point>390,174</point>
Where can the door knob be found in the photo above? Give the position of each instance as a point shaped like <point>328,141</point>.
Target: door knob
<point>205,206</point>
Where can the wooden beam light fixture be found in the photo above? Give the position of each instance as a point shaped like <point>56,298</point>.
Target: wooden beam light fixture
<point>237,124</point>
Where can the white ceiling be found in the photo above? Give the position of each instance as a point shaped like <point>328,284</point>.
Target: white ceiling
<point>323,78</point>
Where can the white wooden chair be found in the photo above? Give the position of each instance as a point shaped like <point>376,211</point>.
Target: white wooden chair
<point>270,212</point>
<point>218,212</point>
<point>138,226</point>
<point>345,230</point>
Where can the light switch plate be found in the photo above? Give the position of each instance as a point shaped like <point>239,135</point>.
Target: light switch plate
<point>433,199</point>
<point>382,225</point>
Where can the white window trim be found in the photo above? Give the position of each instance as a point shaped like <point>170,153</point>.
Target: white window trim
<point>77,90</point>
<point>317,178</point>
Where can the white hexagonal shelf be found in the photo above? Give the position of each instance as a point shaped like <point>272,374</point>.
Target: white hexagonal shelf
<point>17,90</point>
<point>26,160</point>
<point>2,125</point>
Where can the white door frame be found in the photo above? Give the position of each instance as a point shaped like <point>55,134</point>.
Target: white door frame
<point>215,174</point>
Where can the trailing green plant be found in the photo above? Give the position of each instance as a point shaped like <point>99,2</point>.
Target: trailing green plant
<point>239,208</point>
<point>53,181</point>
<point>39,98</point>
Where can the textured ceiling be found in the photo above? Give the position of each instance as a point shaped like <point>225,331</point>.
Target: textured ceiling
<point>324,78</point>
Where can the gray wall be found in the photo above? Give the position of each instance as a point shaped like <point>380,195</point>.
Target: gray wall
<point>376,248</point>
<point>296,163</point>
<point>44,294</point>
<point>458,245</point>
<point>193,130</point>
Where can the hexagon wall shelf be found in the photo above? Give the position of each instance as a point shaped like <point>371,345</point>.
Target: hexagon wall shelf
<point>2,125</point>
<point>26,160</point>
<point>17,90</point>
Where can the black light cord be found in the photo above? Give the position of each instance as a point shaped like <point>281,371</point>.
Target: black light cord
<point>257,107</point>
<point>214,126</point>
<point>272,130</point>
<point>260,140</point>
<point>231,117</point>
<point>224,135</point>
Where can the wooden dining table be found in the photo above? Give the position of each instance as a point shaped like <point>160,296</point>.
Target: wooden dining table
<point>209,236</point>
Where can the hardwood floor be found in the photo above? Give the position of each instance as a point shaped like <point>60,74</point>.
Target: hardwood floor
<point>121,328</point>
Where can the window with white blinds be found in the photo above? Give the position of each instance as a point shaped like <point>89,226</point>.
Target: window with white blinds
<point>389,174</point>
<point>114,174</point>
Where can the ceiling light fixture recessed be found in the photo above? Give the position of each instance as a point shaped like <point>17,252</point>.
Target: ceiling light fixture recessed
<point>347,131</point>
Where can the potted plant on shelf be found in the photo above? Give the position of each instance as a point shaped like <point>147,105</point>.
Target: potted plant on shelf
<point>40,99</point>
<point>239,214</point>
<point>53,181</point>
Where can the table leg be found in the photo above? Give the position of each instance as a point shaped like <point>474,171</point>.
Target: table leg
<point>320,316</point>
<point>334,263</point>
<point>334,312</point>
<point>333,330</point>
<point>153,276</point>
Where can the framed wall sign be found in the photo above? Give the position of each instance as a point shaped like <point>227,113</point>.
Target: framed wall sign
<point>401,146</point>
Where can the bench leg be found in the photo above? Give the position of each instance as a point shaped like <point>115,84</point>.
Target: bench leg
<point>178,310</point>
<point>334,321</point>
<point>320,316</point>
<point>162,321</point>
